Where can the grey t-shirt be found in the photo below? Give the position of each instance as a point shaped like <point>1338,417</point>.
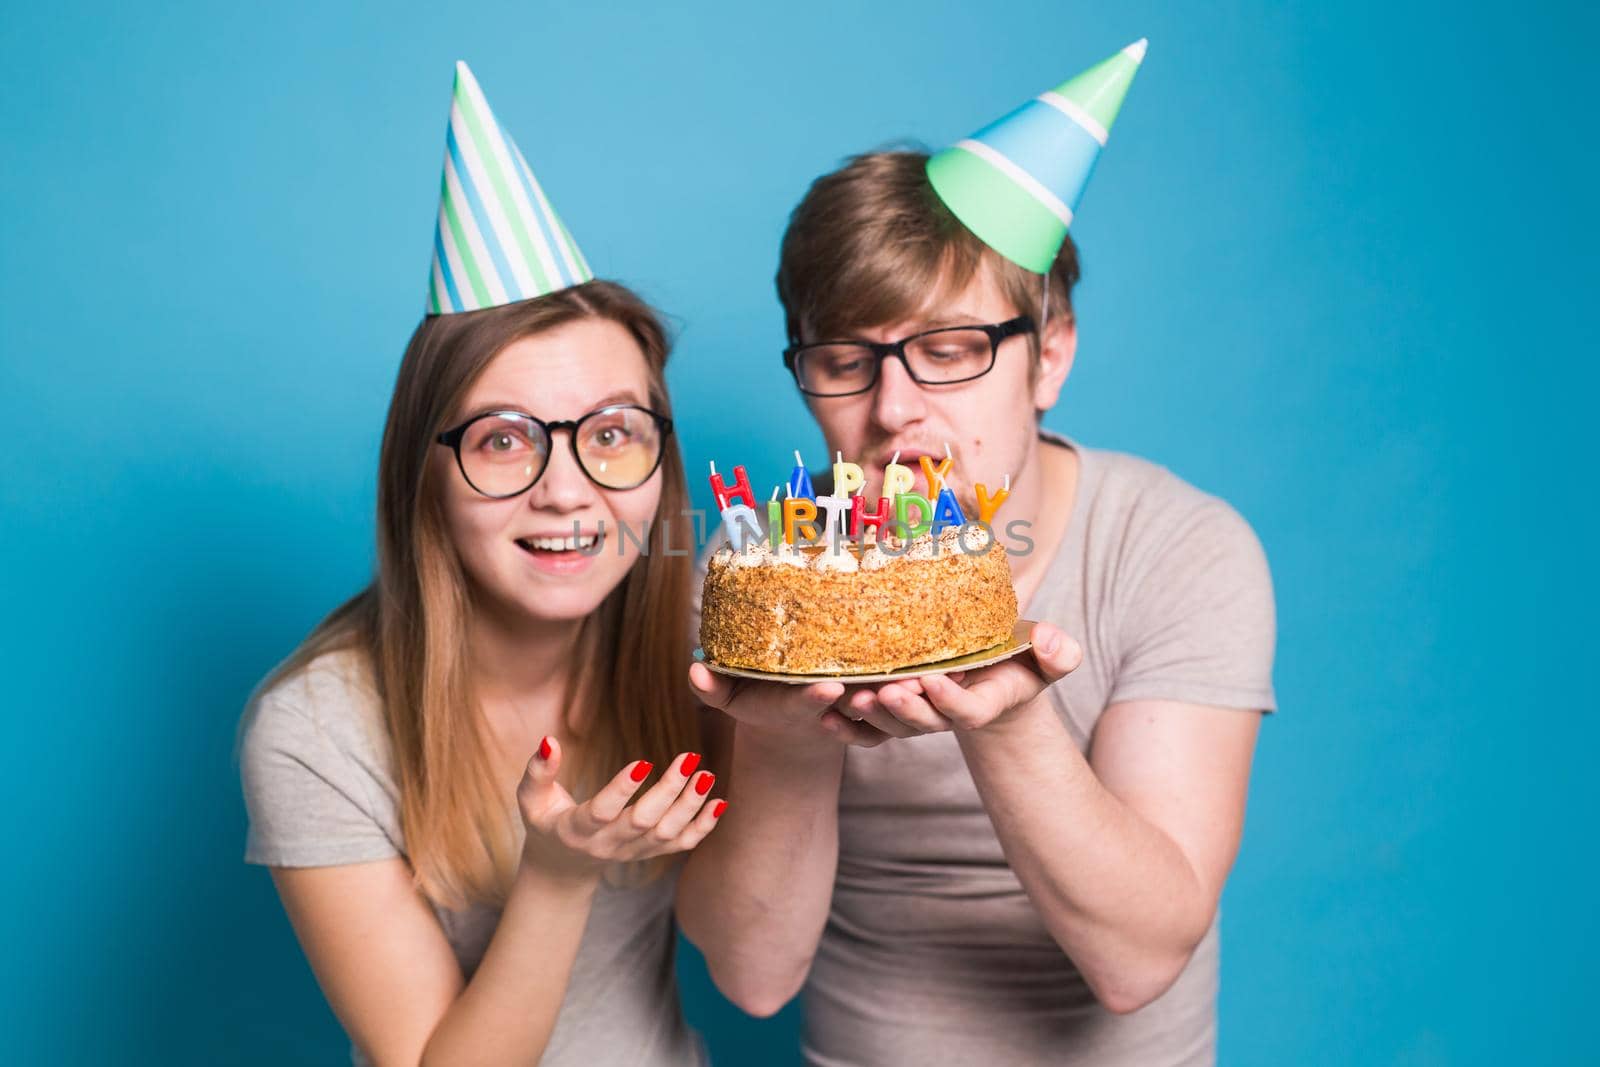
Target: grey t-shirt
<point>315,763</point>
<point>933,953</point>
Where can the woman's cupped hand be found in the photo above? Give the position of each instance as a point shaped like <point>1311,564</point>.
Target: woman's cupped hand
<point>567,838</point>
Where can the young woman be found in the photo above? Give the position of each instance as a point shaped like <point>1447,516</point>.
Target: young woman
<point>440,777</point>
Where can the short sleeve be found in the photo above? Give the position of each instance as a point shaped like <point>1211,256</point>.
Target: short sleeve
<point>311,801</point>
<point>1197,621</point>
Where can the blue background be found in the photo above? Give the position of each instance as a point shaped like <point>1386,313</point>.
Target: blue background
<point>1339,269</point>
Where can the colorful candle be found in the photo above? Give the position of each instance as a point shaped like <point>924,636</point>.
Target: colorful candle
<point>847,477</point>
<point>861,518</point>
<point>947,512</point>
<point>800,478</point>
<point>988,506</point>
<point>799,512</point>
<point>935,475</point>
<point>739,490</point>
<point>774,519</point>
<point>833,508</point>
<point>740,525</point>
<point>897,478</point>
<point>903,504</point>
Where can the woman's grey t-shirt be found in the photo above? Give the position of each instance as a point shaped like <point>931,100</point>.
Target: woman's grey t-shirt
<point>933,953</point>
<point>317,774</point>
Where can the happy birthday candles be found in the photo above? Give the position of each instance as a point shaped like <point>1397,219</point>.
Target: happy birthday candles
<point>803,517</point>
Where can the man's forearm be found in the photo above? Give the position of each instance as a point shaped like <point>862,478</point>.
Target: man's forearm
<point>1116,893</point>
<point>754,896</point>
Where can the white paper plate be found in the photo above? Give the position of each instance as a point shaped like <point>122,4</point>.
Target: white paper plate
<point>1021,641</point>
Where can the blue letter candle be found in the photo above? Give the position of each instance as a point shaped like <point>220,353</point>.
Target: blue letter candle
<point>947,512</point>
<point>800,479</point>
<point>739,523</point>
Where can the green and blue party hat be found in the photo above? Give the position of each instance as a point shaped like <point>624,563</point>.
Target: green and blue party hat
<point>498,240</point>
<point>1016,182</point>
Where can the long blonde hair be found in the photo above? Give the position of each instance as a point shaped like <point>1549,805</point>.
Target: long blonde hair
<point>411,621</point>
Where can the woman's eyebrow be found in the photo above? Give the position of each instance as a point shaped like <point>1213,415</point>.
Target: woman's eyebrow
<point>616,396</point>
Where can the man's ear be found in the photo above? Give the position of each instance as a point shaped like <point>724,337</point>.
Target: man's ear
<point>1057,348</point>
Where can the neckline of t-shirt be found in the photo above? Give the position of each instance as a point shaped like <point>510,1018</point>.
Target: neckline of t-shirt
<point>1088,473</point>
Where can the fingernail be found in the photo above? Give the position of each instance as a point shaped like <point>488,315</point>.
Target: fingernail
<point>703,786</point>
<point>1051,642</point>
<point>640,769</point>
<point>690,762</point>
<point>722,806</point>
<point>544,748</point>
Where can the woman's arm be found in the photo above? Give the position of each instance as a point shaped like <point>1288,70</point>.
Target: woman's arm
<point>389,972</point>
<point>392,979</point>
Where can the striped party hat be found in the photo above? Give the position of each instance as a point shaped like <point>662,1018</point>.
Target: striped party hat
<point>498,240</point>
<point>1016,182</point>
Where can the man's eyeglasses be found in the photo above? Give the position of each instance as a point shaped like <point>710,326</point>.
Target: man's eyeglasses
<point>935,357</point>
<point>503,453</point>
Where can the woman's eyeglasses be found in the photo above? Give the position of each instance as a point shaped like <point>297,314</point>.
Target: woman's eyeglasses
<point>503,453</point>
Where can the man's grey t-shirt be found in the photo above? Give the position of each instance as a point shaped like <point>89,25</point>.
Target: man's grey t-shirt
<point>933,954</point>
<point>315,763</point>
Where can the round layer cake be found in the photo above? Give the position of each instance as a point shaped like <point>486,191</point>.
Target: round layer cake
<point>854,610</point>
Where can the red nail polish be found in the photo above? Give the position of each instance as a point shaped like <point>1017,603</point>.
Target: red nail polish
<point>703,786</point>
<point>690,762</point>
<point>640,769</point>
<point>544,748</point>
<point>722,806</point>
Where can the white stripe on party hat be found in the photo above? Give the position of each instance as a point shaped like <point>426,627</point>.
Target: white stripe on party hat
<point>497,240</point>
<point>1016,182</point>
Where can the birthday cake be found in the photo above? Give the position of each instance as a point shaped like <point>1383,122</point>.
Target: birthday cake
<point>834,585</point>
<point>854,609</point>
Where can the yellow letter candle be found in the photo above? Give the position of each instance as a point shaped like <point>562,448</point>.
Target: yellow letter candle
<point>897,478</point>
<point>847,477</point>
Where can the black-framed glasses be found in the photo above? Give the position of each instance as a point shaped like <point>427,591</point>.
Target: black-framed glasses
<point>944,356</point>
<point>503,453</point>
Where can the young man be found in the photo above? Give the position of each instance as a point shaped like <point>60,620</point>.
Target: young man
<point>1027,871</point>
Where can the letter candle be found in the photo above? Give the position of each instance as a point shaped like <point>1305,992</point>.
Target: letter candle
<point>740,525</point>
<point>800,478</point>
<point>861,518</point>
<point>989,506</point>
<point>740,488</point>
<point>897,478</point>
<point>834,508</point>
<point>774,520</point>
<point>947,512</point>
<point>847,481</point>
<point>798,512</point>
<point>903,503</point>
<point>738,520</point>
<point>936,475</point>
<point>847,477</point>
